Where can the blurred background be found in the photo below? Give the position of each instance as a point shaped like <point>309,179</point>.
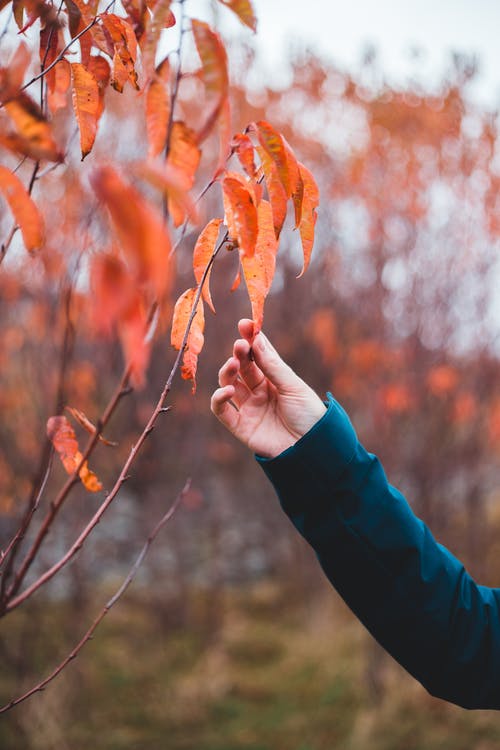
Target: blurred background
<point>230,638</point>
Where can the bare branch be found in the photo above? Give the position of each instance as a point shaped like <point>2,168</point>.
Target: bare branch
<point>109,604</point>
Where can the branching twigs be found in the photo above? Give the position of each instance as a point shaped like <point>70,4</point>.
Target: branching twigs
<point>111,602</point>
<point>160,408</point>
<point>73,479</point>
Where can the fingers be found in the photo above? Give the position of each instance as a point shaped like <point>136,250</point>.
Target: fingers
<point>221,407</point>
<point>251,375</point>
<point>272,366</point>
<point>229,375</point>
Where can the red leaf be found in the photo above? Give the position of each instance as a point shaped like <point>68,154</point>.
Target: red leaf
<point>194,343</point>
<point>244,10</point>
<point>214,70</point>
<point>308,219</point>
<point>204,248</point>
<point>132,330</point>
<point>23,208</point>
<point>33,135</point>
<point>57,97</point>
<point>244,149</point>
<point>62,437</point>
<point>99,67</point>
<point>158,109</point>
<point>275,190</point>
<point>139,228</point>
<point>272,142</point>
<point>240,214</point>
<point>125,50</point>
<point>86,104</point>
<point>258,270</point>
<point>184,155</point>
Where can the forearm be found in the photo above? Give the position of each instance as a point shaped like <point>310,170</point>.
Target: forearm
<point>411,593</point>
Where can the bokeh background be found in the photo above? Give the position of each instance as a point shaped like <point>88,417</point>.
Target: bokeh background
<point>229,637</point>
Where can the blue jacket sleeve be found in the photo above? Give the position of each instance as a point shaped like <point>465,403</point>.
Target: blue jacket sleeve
<point>410,592</point>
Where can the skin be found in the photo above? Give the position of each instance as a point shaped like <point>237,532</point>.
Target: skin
<point>261,400</point>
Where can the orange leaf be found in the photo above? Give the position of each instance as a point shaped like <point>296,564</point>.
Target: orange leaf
<point>272,142</point>
<point>174,185</point>
<point>237,280</point>
<point>244,10</point>
<point>125,50</point>
<point>158,109</point>
<point>161,18</point>
<point>214,70</point>
<point>296,183</point>
<point>244,149</point>
<point>139,228</point>
<point>258,269</point>
<point>132,330</point>
<point>62,436</point>
<point>99,67</point>
<point>87,425</point>
<point>86,105</point>
<point>184,155</point>
<point>310,203</point>
<point>23,208</point>
<point>113,290</point>
<point>240,214</point>
<point>12,76</point>
<point>57,96</point>
<point>203,250</point>
<point>34,135</point>
<point>194,343</point>
<point>275,190</point>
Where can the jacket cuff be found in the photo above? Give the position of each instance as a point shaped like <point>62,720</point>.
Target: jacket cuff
<point>321,454</point>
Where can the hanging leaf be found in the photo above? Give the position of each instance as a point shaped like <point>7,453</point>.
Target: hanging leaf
<point>308,219</point>
<point>273,143</point>
<point>23,208</point>
<point>174,185</point>
<point>258,269</point>
<point>12,76</point>
<point>86,105</point>
<point>33,136</point>
<point>244,10</point>
<point>139,229</point>
<point>275,190</point>
<point>296,183</point>
<point>240,214</point>
<point>137,16</point>
<point>132,330</point>
<point>62,437</point>
<point>183,152</point>
<point>87,425</point>
<point>225,130</point>
<point>57,97</point>
<point>157,102</point>
<point>125,50</point>
<point>161,18</point>
<point>113,290</point>
<point>194,343</point>
<point>203,251</point>
<point>244,150</point>
<point>99,67</point>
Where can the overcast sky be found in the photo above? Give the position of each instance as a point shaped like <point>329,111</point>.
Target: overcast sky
<point>342,30</point>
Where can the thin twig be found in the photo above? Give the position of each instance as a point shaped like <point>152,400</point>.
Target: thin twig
<point>124,473</point>
<point>111,602</point>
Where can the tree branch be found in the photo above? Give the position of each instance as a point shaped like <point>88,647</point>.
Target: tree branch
<point>12,603</point>
<point>111,602</point>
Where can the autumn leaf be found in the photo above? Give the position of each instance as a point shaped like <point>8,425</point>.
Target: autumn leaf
<point>296,183</point>
<point>244,10</point>
<point>183,152</point>
<point>161,18</point>
<point>86,105</point>
<point>23,208</point>
<point>194,343</point>
<point>244,149</point>
<point>125,50</point>
<point>273,144</point>
<point>275,190</point>
<point>57,96</point>
<point>99,67</point>
<point>203,251</point>
<point>12,76</point>
<point>62,437</point>
<point>259,268</point>
<point>310,203</point>
<point>33,136</point>
<point>139,228</point>
<point>174,185</point>
<point>87,425</point>
<point>240,214</point>
<point>132,331</point>
<point>213,72</point>
<point>157,101</point>
<point>113,290</point>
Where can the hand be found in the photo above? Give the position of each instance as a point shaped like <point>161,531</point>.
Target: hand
<point>261,400</point>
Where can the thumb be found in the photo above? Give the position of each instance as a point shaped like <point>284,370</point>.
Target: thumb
<point>274,368</point>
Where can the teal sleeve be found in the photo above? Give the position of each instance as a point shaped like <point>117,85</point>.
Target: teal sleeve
<point>411,593</point>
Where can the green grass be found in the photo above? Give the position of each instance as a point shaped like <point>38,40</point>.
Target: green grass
<point>275,677</point>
